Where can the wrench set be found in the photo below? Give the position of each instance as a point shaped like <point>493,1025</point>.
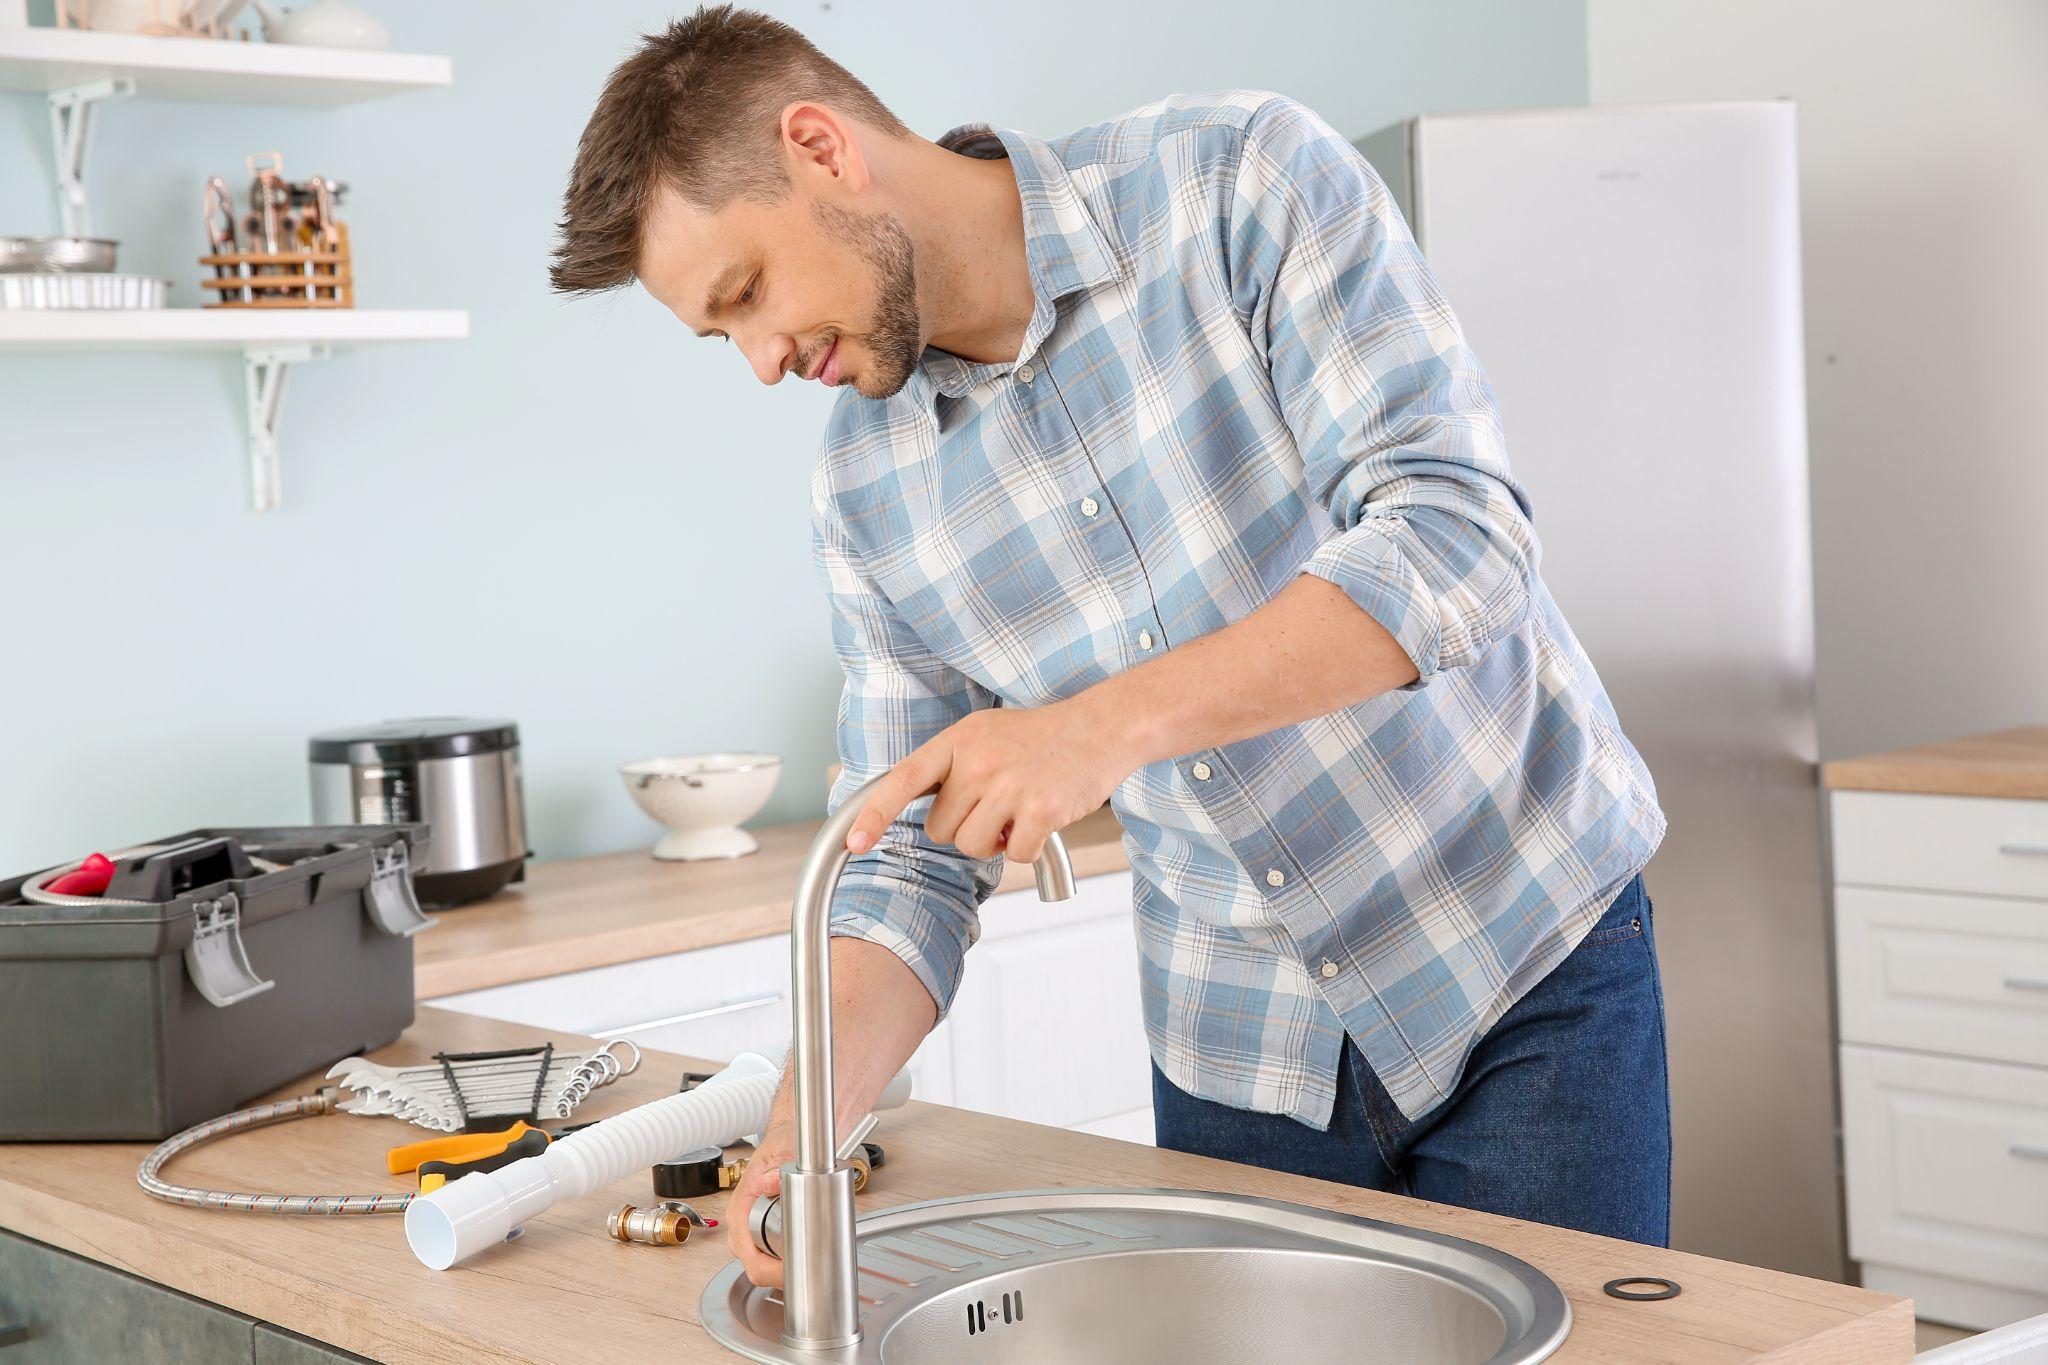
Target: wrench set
<point>465,1092</point>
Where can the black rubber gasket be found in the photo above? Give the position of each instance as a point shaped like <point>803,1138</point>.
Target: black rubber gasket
<point>1666,1289</point>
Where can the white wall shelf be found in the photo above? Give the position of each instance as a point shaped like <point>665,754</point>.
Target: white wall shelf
<point>221,329</point>
<point>271,342</point>
<point>47,60</point>
<point>77,70</point>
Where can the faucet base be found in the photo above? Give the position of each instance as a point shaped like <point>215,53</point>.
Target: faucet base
<point>822,1306</point>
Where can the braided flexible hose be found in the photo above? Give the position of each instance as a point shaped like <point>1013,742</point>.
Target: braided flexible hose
<point>258,1116</point>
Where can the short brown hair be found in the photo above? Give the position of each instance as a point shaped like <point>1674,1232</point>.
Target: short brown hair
<point>697,109</point>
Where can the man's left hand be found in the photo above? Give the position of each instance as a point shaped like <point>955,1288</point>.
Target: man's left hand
<point>1006,779</point>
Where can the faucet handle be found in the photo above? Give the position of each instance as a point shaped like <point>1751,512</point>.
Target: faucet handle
<point>856,1137</point>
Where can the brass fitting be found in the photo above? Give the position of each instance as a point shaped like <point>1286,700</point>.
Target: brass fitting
<point>667,1224</point>
<point>863,1162</point>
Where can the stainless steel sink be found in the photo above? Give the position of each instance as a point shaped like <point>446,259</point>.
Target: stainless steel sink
<point>1121,1276</point>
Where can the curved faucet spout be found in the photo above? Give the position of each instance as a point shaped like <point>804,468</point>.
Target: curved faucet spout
<point>821,1311</point>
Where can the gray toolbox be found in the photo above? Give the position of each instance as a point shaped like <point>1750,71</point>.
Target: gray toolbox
<point>217,965</point>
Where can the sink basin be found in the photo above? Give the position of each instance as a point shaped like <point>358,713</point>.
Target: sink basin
<point>1114,1276</point>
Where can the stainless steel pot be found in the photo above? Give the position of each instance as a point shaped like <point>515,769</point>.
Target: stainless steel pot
<point>457,774</point>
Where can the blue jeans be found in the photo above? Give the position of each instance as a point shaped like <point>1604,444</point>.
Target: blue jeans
<point>1562,1115</point>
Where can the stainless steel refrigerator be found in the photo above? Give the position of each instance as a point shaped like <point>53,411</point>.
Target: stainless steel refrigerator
<point>1629,278</point>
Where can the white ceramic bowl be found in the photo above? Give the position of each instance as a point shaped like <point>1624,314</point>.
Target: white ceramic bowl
<point>703,799</point>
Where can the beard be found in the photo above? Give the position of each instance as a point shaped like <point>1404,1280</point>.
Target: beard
<point>895,337</point>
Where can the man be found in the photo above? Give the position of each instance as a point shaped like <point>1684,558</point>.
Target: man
<point>1162,474</point>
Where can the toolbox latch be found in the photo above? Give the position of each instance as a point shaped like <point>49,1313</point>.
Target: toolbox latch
<point>216,960</point>
<point>392,905</point>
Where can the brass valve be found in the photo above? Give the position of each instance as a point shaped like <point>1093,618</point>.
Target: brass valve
<point>864,1160</point>
<point>666,1224</point>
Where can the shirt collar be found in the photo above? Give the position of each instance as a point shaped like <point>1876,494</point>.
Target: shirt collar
<point>1063,248</point>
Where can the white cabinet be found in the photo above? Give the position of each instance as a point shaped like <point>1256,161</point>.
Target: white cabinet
<point>712,1003</point>
<point>1046,1026</point>
<point>1941,960</point>
<point>1947,1164</point>
<point>1961,975</point>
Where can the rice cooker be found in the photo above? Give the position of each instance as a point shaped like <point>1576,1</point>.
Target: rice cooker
<point>459,775</point>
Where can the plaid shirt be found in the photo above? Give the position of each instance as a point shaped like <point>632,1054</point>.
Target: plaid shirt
<point>1238,369</point>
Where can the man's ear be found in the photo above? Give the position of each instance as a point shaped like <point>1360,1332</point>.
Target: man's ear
<point>819,142</point>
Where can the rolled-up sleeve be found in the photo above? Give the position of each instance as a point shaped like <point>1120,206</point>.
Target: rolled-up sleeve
<point>919,899</point>
<point>1396,424</point>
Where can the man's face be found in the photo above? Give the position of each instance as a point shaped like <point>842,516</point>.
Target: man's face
<point>802,286</point>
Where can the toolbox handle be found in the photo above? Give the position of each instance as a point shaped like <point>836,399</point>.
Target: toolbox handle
<point>166,875</point>
<point>216,960</point>
<point>389,897</point>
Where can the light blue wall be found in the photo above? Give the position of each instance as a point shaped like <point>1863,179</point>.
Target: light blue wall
<point>581,517</point>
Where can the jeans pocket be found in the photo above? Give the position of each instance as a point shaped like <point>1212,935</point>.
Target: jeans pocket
<point>1616,934</point>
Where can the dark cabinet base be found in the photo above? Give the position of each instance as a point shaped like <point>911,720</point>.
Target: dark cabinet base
<point>61,1309</point>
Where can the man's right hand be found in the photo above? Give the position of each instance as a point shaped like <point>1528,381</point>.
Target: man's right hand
<point>763,1179</point>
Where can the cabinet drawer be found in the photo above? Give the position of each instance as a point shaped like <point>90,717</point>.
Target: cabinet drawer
<point>1984,845</point>
<point>79,1312</point>
<point>1947,1166</point>
<point>1966,975</point>
<point>275,1346</point>
<point>1022,912</point>
<point>712,1003</point>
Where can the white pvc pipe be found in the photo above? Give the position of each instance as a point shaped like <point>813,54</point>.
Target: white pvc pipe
<point>481,1209</point>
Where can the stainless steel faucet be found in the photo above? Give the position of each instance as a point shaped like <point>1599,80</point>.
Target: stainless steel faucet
<point>815,1241</point>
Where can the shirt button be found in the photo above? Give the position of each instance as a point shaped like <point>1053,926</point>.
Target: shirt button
<point>1329,969</point>
<point>1201,772</point>
<point>1144,639</point>
<point>1274,877</point>
<point>1089,507</point>
<point>1026,374</point>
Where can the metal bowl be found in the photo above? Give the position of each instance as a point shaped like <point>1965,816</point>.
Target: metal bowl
<point>42,255</point>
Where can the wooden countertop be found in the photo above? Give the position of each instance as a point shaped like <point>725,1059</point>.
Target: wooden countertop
<point>566,1293</point>
<point>2009,763</point>
<point>578,913</point>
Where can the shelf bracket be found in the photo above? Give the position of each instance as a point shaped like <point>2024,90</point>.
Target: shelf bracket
<point>263,374</point>
<point>70,135</point>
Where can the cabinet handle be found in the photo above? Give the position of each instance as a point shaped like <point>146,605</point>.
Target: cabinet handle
<point>2024,850</point>
<point>2026,1152</point>
<point>2025,983</point>
<point>752,1002</point>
